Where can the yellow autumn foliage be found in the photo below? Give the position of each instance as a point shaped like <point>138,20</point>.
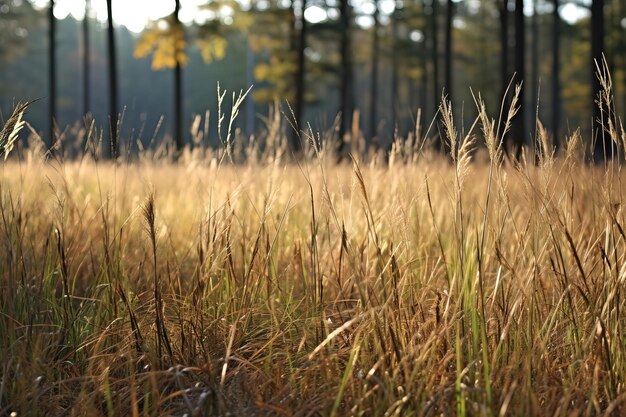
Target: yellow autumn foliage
<point>166,44</point>
<point>213,48</point>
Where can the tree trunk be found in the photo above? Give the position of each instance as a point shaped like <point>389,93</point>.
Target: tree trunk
<point>178,88</point>
<point>621,50</point>
<point>346,71</point>
<point>113,115</point>
<point>249,82</point>
<point>440,145</point>
<point>395,100</point>
<point>612,48</point>
<point>556,79</point>
<point>603,146</point>
<point>86,57</point>
<point>425,78</point>
<point>435,52</point>
<point>448,52</point>
<point>296,141</point>
<point>374,76</point>
<point>535,69</point>
<point>504,47</point>
<point>52,72</point>
<point>519,122</point>
<point>620,56</point>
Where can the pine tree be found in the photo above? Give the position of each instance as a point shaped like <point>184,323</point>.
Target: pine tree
<point>519,122</point>
<point>86,58</point>
<point>556,79</point>
<point>603,148</point>
<point>345,95</point>
<point>52,78</point>
<point>374,74</point>
<point>179,48</point>
<point>113,112</point>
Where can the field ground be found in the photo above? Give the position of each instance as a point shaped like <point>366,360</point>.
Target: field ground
<point>423,289</point>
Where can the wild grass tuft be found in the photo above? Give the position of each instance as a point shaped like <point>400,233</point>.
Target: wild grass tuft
<point>418,286</point>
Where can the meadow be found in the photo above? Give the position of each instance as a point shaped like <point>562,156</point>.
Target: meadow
<point>413,285</point>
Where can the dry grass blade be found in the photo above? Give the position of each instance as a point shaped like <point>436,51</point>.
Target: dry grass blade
<point>162,337</point>
<point>513,109</point>
<point>545,149</point>
<point>12,128</point>
<point>334,335</point>
<point>448,123</point>
<point>465,158</point>
<point>493,144</point>
<point>623,136</point>
<point>572,146</point>
<point>359,175</point>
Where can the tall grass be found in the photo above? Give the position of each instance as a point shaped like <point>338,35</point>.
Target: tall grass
<point>414,285</point>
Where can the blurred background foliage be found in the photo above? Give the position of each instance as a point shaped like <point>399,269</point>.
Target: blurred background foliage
<point>240,44</point>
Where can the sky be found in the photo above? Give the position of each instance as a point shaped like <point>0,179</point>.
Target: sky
<point>130,13</point>
<point>135,13</point>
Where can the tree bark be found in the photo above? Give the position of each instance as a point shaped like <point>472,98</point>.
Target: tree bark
<point>556,66</point>
<point>519,122</point>
<point>296,143</point>
<point>374,76</point>
<point>113,112</point>
<point>603,146</point>
<point>52,73</point>
<point>86,62</point>
<point>249,82</point>
<point>345,99</point>
<point>448,52</point>
<point>621,50</point>
<point>504,47</point>
<point>425,78</point>
<point>535,69</point>
<point>178,88</point>
<point>435,52</point>
<point>394,73</point>
<point>440,145</point>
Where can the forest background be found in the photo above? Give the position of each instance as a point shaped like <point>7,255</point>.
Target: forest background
<point>383,59</point>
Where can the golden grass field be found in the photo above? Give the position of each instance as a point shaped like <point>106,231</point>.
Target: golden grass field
<point>157,289</point>
<point>412,287</point>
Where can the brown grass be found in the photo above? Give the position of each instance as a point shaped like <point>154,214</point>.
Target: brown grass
<point>419,286</point>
